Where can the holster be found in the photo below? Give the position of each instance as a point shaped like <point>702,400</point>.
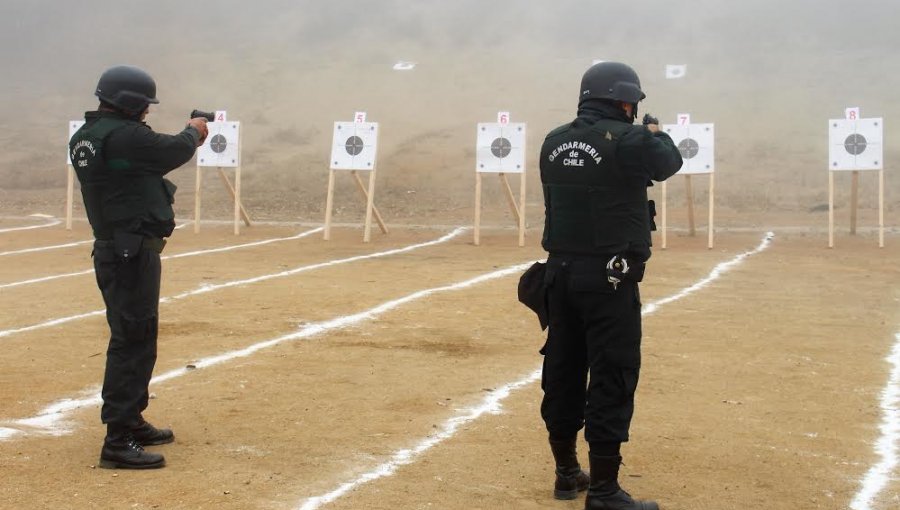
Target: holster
<point>127,244</point>
<point>533,292</point>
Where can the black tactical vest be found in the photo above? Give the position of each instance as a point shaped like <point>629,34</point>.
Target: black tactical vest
<point>591,208</point>
<point>115,195</point>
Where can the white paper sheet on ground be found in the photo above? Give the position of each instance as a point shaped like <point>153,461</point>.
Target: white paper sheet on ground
<point>354,146</point>
<point>221,148</point>
<point>404,66</point>
<point>500,148</point>
<point>697,144</point>
<point>855,144</point>
<point>675,71</point>
<point>74,125</point>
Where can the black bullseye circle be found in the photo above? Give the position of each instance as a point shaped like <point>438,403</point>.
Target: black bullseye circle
<point>688,148</point>
<point>354,145</point>
<point>855,144</point>
<point>501,147</point>
<point>218,144</point>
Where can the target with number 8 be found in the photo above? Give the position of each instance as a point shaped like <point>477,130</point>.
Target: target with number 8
<point>855,144</point>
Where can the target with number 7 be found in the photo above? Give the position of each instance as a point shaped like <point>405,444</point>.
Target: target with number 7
<point>696,143</point>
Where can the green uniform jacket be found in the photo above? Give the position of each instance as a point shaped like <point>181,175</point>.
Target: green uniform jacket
<point>595,172</point>
<point>120,163</point>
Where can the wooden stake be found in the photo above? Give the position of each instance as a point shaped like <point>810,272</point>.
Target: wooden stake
<point>365,195</point>
<point>854,201</point>
<point>663,215</point>
<point>477,208</point>
<point>690,205</point>
<point>831,209</point>
<point>197,200</point>
<point>235,195</point>
<point>881,208</point>
<point>238,206</point>
<point>709,243</point>
<point>370,205</point>
<point>510,198</point>
<point>522,209</point>
<point>70,194</point>
<point>329,203</point>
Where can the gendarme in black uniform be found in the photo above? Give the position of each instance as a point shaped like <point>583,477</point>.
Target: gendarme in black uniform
<point>595,172</point>
<point>120,163</point>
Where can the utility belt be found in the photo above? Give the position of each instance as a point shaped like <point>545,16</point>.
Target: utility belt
<point>532,288</point>
<point>618,267</point>
<point>126,245</point>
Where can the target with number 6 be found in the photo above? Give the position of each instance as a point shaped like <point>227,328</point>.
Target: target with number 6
<point>500,148</point>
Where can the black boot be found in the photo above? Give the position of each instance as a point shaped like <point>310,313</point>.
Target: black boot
<point>569,477</point>
<point>122,451</point>
<point>146,434</point>
<point>605,493</point>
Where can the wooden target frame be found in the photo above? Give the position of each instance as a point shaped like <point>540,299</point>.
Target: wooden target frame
<point>505,157</point>
<point>855,145</point>
<point>697,145</point>
<point>221,150</point>
<point>354,147</point>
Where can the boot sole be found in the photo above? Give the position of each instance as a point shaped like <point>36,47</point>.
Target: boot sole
<point>111,464</point>
<point>565,495</point>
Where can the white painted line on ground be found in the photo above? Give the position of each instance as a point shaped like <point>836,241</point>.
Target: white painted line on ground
<point>52,223</point>
<point>209,288</point>
<point>888,445</point>
<point>714,274</point>
<point>44,248</point>
<point>56,247</point>
<point>167,257</point>
<point>493,402</point>
<point>51,420</point>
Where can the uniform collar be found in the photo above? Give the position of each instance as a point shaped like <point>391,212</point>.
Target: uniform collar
<point>597,109</point>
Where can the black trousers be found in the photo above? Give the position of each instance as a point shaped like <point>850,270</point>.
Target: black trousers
<point>131,292</point>
<point>592,357</point>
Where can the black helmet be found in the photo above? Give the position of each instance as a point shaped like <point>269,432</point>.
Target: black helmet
<point>128,88</point>
<point>611,80</point>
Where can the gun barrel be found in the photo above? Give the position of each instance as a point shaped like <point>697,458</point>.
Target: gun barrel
<point>198,114</point>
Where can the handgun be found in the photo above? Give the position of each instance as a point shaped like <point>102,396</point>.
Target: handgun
<point>210,117</point>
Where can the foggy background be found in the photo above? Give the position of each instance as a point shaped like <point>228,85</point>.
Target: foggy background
<point>768,73</point>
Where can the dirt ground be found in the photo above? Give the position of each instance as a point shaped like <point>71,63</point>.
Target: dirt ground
<point>760,387</point>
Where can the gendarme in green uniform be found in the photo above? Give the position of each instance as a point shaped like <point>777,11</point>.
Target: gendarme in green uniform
<point>595,171</point>
<point>120,163</point>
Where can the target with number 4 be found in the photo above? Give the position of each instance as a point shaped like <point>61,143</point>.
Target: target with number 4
<point>354,145</point>
<point>221,148</point>
<point>500,148</point>
<point>696,142</point>
<point>855,144</point>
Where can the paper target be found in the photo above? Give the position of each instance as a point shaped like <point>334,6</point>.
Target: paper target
<point>221,148</point>
<point>676,71</point>
<point>500,148</point>
<point>355,145</point>
<point>696,142</point>
<point>855,144</point>
<point>74,125</point>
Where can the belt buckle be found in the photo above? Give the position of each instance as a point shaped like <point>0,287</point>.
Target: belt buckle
<point>616,269</point>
